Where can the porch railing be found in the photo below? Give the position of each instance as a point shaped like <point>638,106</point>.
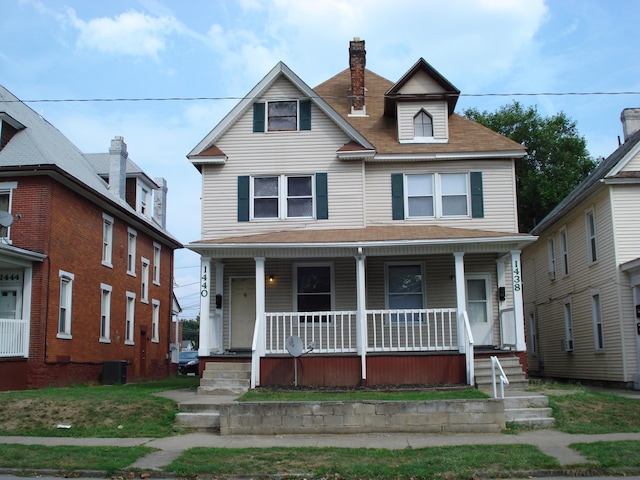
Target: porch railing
<point>13,337</point>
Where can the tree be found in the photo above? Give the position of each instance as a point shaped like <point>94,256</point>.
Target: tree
<point>557,159</point>
<point>191,330</point>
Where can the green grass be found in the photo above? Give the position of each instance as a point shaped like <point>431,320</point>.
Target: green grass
<point>341,463</point>
<point>359,395</point>
<point>593,413</point>
<point>92,411</point>
<point>612,455</point>
<point>69,458</point>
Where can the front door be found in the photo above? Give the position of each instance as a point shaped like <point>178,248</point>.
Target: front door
<point>243,312</point>
<point>479,308</point>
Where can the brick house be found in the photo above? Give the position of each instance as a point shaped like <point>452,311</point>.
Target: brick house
<point>85,259</point>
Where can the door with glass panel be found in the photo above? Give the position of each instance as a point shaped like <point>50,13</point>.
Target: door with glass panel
<point>479,308</point>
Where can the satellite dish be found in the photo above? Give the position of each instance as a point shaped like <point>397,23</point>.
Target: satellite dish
<point>6,219</point>
<point>294,346</point>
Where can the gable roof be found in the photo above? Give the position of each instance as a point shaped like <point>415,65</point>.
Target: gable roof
<point>608,168</point>
<point>42,147</point>
<point>207,144</point>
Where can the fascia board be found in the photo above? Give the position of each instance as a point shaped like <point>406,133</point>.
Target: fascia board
<point>403,157</point>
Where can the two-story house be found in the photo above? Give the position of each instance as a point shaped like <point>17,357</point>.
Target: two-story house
<point>86,262</point>
<point>582,290</point>
<point>361,226</point>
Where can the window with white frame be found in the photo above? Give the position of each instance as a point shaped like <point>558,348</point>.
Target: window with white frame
<point>144,275</point>
<point>282,116</point>
<point>564,246</point>
<point>422,125</point>
<point>437,195</point>
<point>6,190</point>
<point>157,250</point>
<point>314,291</point>
<point>105,313</point>
<point>590,220</point>
<point>551,252</point>
<point>568,326</point>
<point>155,321</point>
<point>107,240</point>
<point>64,312</point>
<point>598,327</point>
<point>130,319</point>
<point>132,237</point>
<point>144,200</point>
<point>404,289</point>
<point>282,196</point>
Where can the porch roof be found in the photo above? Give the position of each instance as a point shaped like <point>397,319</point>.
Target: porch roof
<point>374,240</point>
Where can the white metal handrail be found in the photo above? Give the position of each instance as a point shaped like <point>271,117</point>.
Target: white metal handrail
<point>495,363</point>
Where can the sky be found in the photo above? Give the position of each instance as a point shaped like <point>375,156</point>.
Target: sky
<point>193,60</point>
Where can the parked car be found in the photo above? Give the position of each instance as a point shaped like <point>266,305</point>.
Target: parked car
<point>188,362</point>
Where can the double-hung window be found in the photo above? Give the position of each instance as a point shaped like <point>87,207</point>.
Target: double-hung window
<point>107,240</point>
<point>564,246</point>
<point>157,249</point>
<point>598,326</point>
<point>404,289</point>
<point>130,319</point>
<point>437,195</point>
<point>551,252</point>
<point>131,251</point>
<point>144,200</point>
<point>590,220</point>
<point>314,289</point>
<point>105,313</point>
<point>282,197</point>
<point>568,326</point>
<point>144,287</point>
<point>155,321</point>
<point>282,116</point>
<point>64,312</point>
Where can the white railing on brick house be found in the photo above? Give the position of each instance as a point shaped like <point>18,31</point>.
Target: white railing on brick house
<point>13,337</point>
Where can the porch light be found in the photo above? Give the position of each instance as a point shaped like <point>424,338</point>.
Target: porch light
<point>272,278</point>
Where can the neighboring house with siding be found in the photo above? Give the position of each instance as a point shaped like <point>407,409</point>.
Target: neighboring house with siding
<point>364,217</point>
<point>86,262</point>
<point>582,277</point>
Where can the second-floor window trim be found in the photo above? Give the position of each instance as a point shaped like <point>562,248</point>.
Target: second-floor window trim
<point>155,321</point>
<point>592,245</point>
<point>144,275</point>
<point>105,313</point>
<point>132,237</point>
<point>143,199</point>
<point>157,250</point>
<point>65,310</point>
<point>130,315</point>
<point>564,250</point>
<point>107,240</point>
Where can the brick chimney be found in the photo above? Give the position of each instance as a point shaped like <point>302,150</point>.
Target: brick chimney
<point>357,62</point>
<point>118,167</point>
<point>160,202</point>
<point>630,118</point>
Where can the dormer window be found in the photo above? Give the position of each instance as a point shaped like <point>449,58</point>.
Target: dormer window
<point>282,116</point>
<point>422,125</point>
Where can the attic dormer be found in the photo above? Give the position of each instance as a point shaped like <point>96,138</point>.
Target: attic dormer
<point>422,101</point>
<point>8,128</point>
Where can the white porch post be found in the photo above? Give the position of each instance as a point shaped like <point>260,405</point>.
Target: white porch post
<point>259,332</point>
<point>518,306</point>
<point>217,317</point>
<point>206,330</point>
<point>361,317</point>
<point>461,297</point>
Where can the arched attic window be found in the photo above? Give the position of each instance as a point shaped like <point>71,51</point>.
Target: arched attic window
<point>422,125</point>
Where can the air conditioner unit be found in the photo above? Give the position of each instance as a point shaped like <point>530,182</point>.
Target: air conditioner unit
<point>567,345</point>
<point>552,275</point>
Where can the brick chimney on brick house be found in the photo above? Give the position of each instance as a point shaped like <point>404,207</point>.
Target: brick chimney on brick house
<point>118,167</point>
<point>357,62</point>
<point>630,118</point>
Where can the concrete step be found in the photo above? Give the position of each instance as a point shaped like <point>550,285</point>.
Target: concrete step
<point>526,401</point>
<point>213,390</point>
<point>198,421</point>
<point>517,414</point>
<point>229,374</point>
<point>225,382</point>
<point>535,422</point>
<point>228,367</point>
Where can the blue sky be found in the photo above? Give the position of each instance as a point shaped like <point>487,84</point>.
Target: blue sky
<point>73,49</point>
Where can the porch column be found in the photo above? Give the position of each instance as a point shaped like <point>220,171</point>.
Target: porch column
<point>518,306</point>
<point>219,309</point>
<point>461,296</point>
<point>361,316</point>
<point>259,332</point>
<point>206,330</point>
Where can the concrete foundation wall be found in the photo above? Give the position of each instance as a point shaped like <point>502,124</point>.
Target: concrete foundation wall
<point>442,416</point>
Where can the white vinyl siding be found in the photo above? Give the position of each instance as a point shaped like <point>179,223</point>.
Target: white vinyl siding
<point>439,117</point>
<point>499,195</point>
<point>626,199</point>
<point>287,153</point>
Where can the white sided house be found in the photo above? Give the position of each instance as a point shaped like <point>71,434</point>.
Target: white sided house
<point>582,296</point>
<point>364,218</point>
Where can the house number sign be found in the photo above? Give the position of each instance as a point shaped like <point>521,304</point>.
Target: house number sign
<point>204,286</point>
<point>517,281</point>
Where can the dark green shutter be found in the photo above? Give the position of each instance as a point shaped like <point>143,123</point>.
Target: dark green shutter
<point>477,202</point>
<point>397,196</point>
<point>258,117</point>
<point>305,114</point>
<point>243,198</point>
<point>322,197</point>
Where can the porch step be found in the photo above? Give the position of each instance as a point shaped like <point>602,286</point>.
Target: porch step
<point>225,378</point>
<point>512,368</point>
<point>208,421</point>
<point>529,410</point>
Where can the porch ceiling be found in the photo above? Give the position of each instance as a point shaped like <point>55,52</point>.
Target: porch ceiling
<point>373,241</point>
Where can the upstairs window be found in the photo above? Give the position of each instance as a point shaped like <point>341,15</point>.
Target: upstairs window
<point>144,287</point>
<point>144,201</point>
<point>64,311</point>
<point>422,125</point>
<point>282,116</point>
<point>590,220</point>
<point>436,195</point>
<point>107,240</point>
<point>156,263</point>
<point>131,251</point>
<point>551,252</point>
<point>283,197</point>
<point>130,318</point>
<point>105,313</point>
<point>6,190</point>
<point>564,246</point>
<point>598,326</point>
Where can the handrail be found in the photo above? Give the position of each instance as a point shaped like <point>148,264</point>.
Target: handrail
<point>503,377</point>
<point>469,356</point>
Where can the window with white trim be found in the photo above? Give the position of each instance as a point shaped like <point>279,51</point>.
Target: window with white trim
<point>598,326</point>
<point>6,191</point>
<point>107,240</point>
<point>105,313</point>
<point>551,252</point>
<point>314,291</point>
<point>422,125</point>
<point>155,321</point>
<point>282,197</point>
<point>564,246</point>
<point>282,116</point>
<point>130,318</point>
<point>157,249</point>
<point>437,195</point>
<point>590,221</point>
<point>404,289</point>
<point>132,237</point>
<point>144,200</point>
<point>144,275</point>
<point>568,326</point>
<point>64,311</point>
